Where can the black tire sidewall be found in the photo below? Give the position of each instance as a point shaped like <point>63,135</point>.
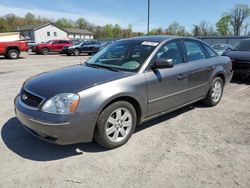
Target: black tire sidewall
<point>13,51</point>
<point>45,51</point>
<point>76,54</point>
<point>100,132</point>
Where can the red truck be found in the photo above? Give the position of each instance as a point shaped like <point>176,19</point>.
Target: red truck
<point>51,46</point>
<point>12,44</point>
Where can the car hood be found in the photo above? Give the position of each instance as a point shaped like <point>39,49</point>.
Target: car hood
<point>70,80</point>
<point>239,55</point>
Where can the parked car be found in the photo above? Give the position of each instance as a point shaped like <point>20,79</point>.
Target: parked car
<point>75,41</point>
<point>85,46</point>
<point>129,82</point>
<point>240,56</point>
<point>12,44</point>
<point>51,46</point>
<point>221,48</point>
<point>101,46</point>
<point>31,43</point>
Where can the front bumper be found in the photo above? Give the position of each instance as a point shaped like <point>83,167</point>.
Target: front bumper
<point>58,129</point>
<point>241,67</point>
<point>66,51</point>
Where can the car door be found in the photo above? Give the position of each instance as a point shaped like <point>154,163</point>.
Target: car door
<point>167,88</point>
<point>55,46</point>
<point>199,68</point>
<point>84,46</point>
<point>62,43</point>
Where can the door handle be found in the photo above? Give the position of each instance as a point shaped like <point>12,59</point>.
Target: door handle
<point>211,68</point>
<point>181,76</point>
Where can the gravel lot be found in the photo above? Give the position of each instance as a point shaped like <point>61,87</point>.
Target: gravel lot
<point>193,147</point>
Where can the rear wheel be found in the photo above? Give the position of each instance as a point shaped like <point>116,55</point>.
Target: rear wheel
<point>115,125</point>
<point>13,54</point>
<point>215,92</point>
<point>45,51</point>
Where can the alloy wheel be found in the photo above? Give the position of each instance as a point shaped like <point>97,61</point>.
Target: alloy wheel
<point>216,91</point>
<point>119,124</point>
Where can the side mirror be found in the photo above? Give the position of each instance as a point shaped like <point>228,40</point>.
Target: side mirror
<point>163,64</point>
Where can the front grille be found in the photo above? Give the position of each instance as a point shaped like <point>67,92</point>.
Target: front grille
<point>30,99</point>
<point>241,65</point>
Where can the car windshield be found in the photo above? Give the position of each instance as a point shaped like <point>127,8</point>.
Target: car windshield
<point>124,55</point>
<point>219,47</point>
<point>243,45</point>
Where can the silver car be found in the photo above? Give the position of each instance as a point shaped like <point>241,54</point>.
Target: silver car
<point>221,48</point>
<point>129,82</point>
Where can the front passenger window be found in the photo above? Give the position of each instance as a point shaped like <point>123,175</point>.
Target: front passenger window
<point>194,51</point>
<point>170,51</point>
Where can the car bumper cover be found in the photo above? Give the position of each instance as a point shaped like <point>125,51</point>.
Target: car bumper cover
<point>58,129</point>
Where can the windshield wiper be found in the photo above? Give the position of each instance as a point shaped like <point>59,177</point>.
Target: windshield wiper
<point>102,66</point>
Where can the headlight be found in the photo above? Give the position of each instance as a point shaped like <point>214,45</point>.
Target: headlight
<point>63,103</point>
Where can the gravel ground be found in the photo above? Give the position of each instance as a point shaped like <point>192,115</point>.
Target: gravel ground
<point>192,147</point>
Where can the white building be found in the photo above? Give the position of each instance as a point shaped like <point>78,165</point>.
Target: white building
<point>50,31</point>
<point>79,33</point>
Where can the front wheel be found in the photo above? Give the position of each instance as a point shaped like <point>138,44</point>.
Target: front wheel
<point>115,125</point>
<point>76,52</point>
<point>45,51</point>
<point>215,92</point>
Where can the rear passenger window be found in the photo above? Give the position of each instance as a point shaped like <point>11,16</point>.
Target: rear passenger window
<point>194,51</point>
<point>210,51</point>
<point>63,42</point>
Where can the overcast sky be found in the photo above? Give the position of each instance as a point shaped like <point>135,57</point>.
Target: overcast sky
<point>124,12</point>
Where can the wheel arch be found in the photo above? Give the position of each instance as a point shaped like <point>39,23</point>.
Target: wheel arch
<point>221,75</point>
<point>132,100</point>
<point>12,48</point>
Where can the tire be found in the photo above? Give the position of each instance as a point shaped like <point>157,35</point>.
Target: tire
<point>68,54</point>
<point>76,52</point>
<point>215,92</point>
<point>45,51</point>
<point>13,54</point>
<point>112,131</point>
<point>90,53</point>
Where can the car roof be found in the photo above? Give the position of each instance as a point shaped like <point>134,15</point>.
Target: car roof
<point>158,38</point>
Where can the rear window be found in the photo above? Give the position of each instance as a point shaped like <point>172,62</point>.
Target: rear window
<point>63,42</point>
<point>194,50</point>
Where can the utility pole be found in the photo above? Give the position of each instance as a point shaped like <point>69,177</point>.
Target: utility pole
<point>148,16</point>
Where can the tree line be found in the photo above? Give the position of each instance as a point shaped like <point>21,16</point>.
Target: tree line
<point>233,22</point>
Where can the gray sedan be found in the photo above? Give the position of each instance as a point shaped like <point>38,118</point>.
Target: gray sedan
<point>129,82</point>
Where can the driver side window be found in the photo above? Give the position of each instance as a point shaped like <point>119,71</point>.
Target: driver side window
<point>170,51</point>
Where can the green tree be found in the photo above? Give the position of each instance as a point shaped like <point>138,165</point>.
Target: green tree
<point>117,31</point>
<point>176,29</point>
<point>65,23</point>
<point>108,31</point>
<point>29,18</point>
<point>223,25</point>
<point>81,23</point>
